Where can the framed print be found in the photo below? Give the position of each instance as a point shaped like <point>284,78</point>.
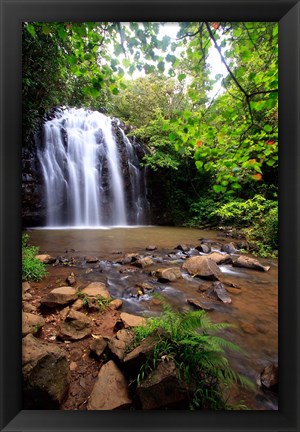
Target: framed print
<point>117,148</point>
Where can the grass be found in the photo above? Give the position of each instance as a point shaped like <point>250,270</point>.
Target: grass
<point>32,268</point>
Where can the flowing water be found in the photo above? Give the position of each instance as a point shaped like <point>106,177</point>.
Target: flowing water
<point>253,311</point>
<point>85,167</point>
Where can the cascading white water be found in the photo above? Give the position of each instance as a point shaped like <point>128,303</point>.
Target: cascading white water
<point>83,176</point>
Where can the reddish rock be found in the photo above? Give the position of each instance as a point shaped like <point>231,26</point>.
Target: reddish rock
<point>143,262</point>
<point>98,345</point>
<point>220,258</point>
<point>202,266</point>
<point>96,289</point>
<point>132,320</point>
<point>45,258</point>
<point>75,326</point>
<point>115,304</point>
<point>60,296</point>
<point>31,323</point>
<point>71,280</point>
<point>110,391</point>
<point>217,291</point>
<point>200,304</point>
<point>269,378</point>
<point>168,274</point>
<point>120,343</point>
<point>46,374</point>
<point>251,263</point>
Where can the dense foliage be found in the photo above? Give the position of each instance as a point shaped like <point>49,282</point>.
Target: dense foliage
<point>212,140</point>
<point>32,268</point>
<point>191,340</point>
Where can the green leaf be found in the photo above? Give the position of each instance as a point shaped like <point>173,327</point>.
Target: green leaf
<point>31,30</point>
<point>161,66</point>
<point>181,77</point>
<point>218,188</point>
<point>172,136</point>
<point>268,128</point>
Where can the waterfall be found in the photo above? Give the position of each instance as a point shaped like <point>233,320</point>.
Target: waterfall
<point>91,176</point>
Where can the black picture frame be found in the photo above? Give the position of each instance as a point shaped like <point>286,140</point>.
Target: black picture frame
<point>13,13</point>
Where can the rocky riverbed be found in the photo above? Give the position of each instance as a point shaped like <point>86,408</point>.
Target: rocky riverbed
<point>77,324</point>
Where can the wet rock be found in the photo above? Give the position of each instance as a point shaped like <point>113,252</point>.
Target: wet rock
<point>96,289</point>
<point>268,378</point>
<point>46,374</point>
<point>161,389</point>
<point>143,262</point>
<point>116,394</point>
<point>217,291</point>
<point>193,252</point>
<point>120,343</point>
<point>31,323</point>
<point>91,259</point>
<point>199,304</point>
<point>76,326</point>
<point>168,274</point>
<point>248,328</point>
<point>234,291</point>
<point>204,248</point>
<point>98,345</point>
<point>151,248</point>
<point>45,258</point>
<point>202,266</point>
<point>115,304</point>
<point>71,280</point>
<point>220,258</point>
<point>146,287</point>
<point>135,292</point>
<point>130,258</point>
<point>182,247</point>
<point>229,248</point>
<point>250,263</point>
<point>59,297</point>
<point>132,320</point>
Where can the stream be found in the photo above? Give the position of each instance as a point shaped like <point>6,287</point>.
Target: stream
<point>254,307</point>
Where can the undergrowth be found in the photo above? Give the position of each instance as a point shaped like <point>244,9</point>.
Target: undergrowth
<point>32,268</point>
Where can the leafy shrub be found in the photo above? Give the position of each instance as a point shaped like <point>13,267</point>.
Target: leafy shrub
<point>32,268</point>
<point>264,234</point>
<point>199,355</point>
<point>202,211</point>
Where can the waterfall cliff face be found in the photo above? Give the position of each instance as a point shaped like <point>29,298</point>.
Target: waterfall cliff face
<point>91,172</point>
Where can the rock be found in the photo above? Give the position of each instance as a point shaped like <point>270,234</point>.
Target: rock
<point>204,248</point>
<point>220,258</point>
<point>251,263</point>
<point>218,291</point>
<point>269,378</point>
<point>59,297</point>
<point>71,280</point>
<point>77,305</point>
<point>115,304</point>
<point>25,287</point>
<point>98,345</point>
<point>248,328</point>
<point>228,248</point>
<point>161,389</point>
<point>139,355</point>
<point>91,259</point>
<point>46,374</point>
<point>73,366</point>
<point>96,289</point>
<point>31,323</point>
<point>75,326</point>
<point>28,307</point>
<point>130,258</point>
<point>110,390</point>
<point>151,248</point>
<point>26,296</point>
<point>199,304</point>
<point>235,291</point>
<point>202,266</point>
<point>182,247</point>
<point>135,292</point>
<point>45,258</point>
<point>120,343</point>
<point>168,274</point>
<point>132,320</point>
<point>143,262</point>
<point>145,286</point>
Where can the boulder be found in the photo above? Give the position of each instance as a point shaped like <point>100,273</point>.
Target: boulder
<point>151,248</point>
<point>91,259</point>
<point>110,391</point>
<point>96,289</point>
<point>31,323</point>
<point>130,258</point>
<point>98,345</point>
<point>46,375</point>
<point>77,305</point>
<point>143,262</point>
<point>182,247</point>
<point>250,263</point>
<point>228,248</point>
<point>132,320</point>
<point>204,248</point>
<point>202,266</point>
<point>59,297</point>
<point>45,258</point>
<point>217,291</point>
<point>220,258</point>
<point>161,389</point>
<point>168,274</point>
<point>75,326</point>
<point>120,343</point>
<point>269,378</point>
<point>200,304</point>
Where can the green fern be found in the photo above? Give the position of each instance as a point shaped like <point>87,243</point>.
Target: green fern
<point>199,354</point>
